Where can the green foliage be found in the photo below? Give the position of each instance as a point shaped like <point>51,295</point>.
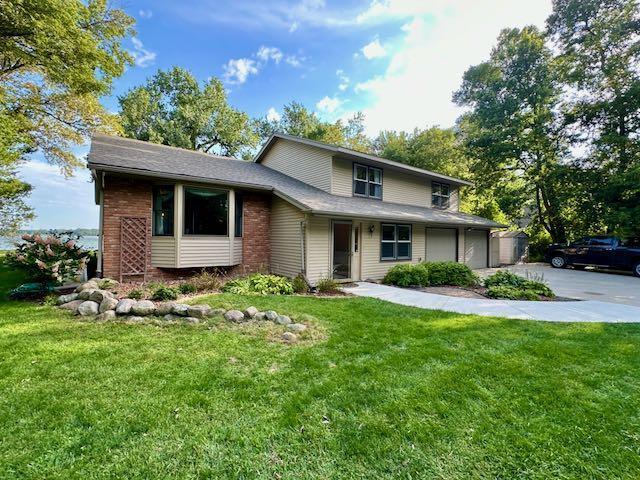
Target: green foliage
<point>135,294</point>
<point>300,285</point>
<point>516,287</point>
<point>107,283</point>
<point>187,288</point>
<point>54,258</point>
<point>259,284</point>
<point>504,278</point>
<point>408,275</point>
<point>173,109</point>
<point>206,281</point>
<point>451,273</point>
<point>327,285</point>
<point>164,292</point>
<point>511,293</point>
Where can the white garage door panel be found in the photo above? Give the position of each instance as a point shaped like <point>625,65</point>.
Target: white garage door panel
<point>441,244</point>
<point>475,249</point>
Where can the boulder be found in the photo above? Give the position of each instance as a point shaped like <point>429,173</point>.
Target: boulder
<point>250,312</point>
<point>143,307</point>
<point>216,312</point>
<point>198,311</point>
<point>289,337</point>
<point>270,315</point>
<point>259,316</point>
<point>180,309</point>
<point>67,298</point>
<point>296,327</point>
<point>106,316</point>
<point>283,320</point>
<point>164,308</point>
<point>123,307</point>
<point>99,295</point>
<point>72,306</point>
<point>234,316</point>
<point>190,319</point>
<point>88,308</point>
<point>107,283</point>
<point>108,304</point>
<point>85,294</point>
<point>90,285</point>
<point>170,317</point>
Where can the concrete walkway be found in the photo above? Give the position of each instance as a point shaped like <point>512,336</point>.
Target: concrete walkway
<point>578,311</point>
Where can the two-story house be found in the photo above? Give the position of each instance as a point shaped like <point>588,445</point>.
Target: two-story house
<point>301,207</point>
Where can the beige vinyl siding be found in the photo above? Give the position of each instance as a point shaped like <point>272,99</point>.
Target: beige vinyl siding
<point>286,254</point>
<point>163,252</point>
<point>308,164</point>
<point>205,251</point>
<point>318,234</point>
<point>461,237</point>
<point>342,177</point>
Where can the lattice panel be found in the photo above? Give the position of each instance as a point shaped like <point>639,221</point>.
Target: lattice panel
<point>133,246</point>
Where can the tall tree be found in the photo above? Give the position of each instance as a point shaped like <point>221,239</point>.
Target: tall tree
<point>173,109</point>
<point>599,53</point>
<point>297,120</point>
<point>512,129</point>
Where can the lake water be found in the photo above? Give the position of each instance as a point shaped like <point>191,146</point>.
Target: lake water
<point>90,242</point>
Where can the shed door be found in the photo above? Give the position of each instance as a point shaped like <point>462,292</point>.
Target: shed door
<point>475,248</point>
<point>442,244</point>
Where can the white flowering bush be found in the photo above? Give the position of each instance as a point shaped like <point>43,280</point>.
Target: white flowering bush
<point>53,258</point>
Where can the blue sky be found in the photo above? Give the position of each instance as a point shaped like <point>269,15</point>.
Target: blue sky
<point>397,61</point>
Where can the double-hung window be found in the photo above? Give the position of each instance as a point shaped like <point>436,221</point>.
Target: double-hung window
<point>395,242</point>
<point>206,211</point>
<point>440,194</point>
<point>367,181</point>
<point>163,210</point>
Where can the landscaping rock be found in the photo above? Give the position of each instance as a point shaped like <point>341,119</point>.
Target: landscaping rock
<point>108,304</point>
<point>144,307</point>
<point>62,299</point>
<point>90,285</point>
<point>259,316</point>
<point>296,327</point>
<point>99,295</point>
<point>107,283</point>
<point>170,317</point>
<point>198,311</point>
<point>234,316</point>
<point>88,308</point>
<point>135,318</point>
<point>289,337</point>
<point>85,294</point>
<point>124,306</point>
<point>270,315</point>
<point>72,305</point>
<point>165,308</point>
<point>216,312</point>
<point>190,319</point>
<point>283,320</point>
<point>250,312</point>
<point>180,309</point>
<point>106,316</point>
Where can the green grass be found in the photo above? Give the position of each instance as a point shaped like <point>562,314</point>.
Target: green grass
<point>393,392</point>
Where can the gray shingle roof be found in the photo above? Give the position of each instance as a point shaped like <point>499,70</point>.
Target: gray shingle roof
<point>117,154</point>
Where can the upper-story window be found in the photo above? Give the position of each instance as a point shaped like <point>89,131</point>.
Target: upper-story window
<point>440,194</point>
<point>163,210</point>
<point>206,211</point>
<point>367,181</point>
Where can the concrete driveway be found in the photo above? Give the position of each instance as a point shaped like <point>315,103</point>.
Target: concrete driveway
<point>587,284</point>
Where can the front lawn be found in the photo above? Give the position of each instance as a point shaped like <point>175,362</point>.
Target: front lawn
<point>395,392</point>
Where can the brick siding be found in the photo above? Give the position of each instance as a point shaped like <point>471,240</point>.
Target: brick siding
<point>256,237</point>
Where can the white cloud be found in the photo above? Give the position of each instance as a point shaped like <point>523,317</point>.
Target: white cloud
<point>344,80</point>
<point>141,56</point>
<point>237,70</point>
<point>269,53</point>
<point>145,13</point>
<point>273,115</point>
<point>373,50</point>
<point>294,60</point>
<point>432,54</point>
<point>328,104</point>
<point>294,26</point>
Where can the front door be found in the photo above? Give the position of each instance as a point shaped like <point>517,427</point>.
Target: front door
<point>341,254</point>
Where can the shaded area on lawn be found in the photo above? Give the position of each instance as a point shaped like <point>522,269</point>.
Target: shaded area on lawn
<point>393,392</point>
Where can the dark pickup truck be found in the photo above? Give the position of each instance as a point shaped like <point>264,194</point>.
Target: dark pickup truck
<point>599,251</point>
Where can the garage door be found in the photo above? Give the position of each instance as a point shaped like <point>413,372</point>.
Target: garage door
<point>442,244</point>
<point>475,248</point>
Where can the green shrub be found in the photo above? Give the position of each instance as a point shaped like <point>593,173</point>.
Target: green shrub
<point>187,288</point>
<point>451,273</point>
<point>300,285</point>
<point>408,275</point>
<point>260,284</point>
<point>206,281</point>
<point>327,285</point>
<point>135,294</point>
<point>504,278</point>
<point>164,292</point>
<point>539,288</point>
<point>512,293</point>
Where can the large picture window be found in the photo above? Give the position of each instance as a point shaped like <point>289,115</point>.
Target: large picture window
<point>440,194</point>
<point>395,242</point>
<point>367,181</point>
<point>205,211</point>
<point>163,210</point>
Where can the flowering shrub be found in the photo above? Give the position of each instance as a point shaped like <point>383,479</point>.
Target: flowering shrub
<point>53,258</point>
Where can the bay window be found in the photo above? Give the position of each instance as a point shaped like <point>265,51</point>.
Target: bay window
<point>206,211</point>
<point>162,210</point>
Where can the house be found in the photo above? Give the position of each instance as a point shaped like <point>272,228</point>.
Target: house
<point>301,207</point>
